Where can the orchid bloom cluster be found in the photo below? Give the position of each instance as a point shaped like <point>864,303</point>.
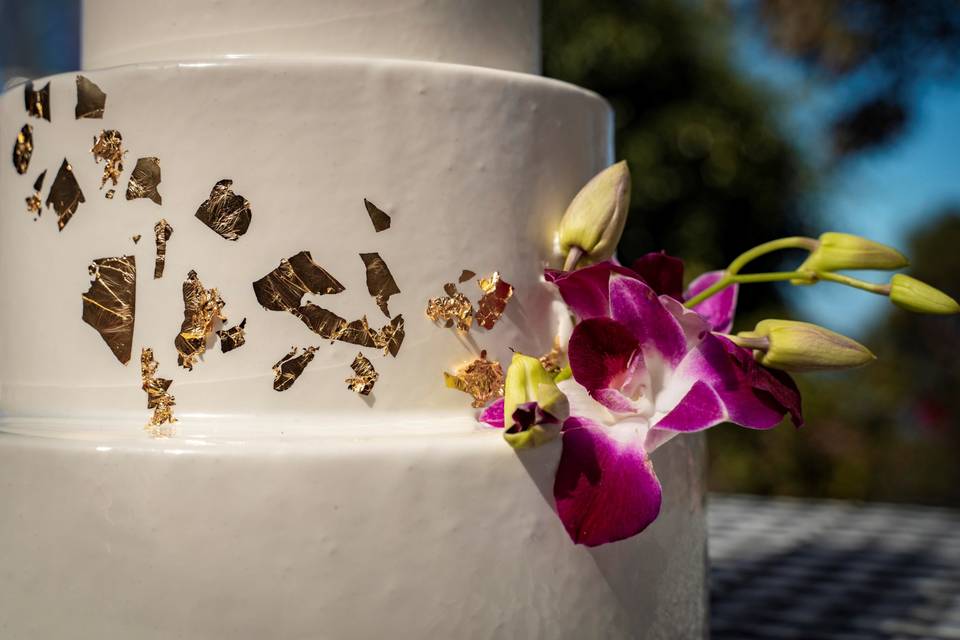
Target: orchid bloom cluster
<point>648,360</point>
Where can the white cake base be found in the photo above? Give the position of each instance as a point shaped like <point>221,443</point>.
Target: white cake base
<point>429,531</point>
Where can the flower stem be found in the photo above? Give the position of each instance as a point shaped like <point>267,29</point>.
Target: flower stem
<point>728,279</point>
<point>573,257</point>
<point>880,289</point>
<point>792,242</point>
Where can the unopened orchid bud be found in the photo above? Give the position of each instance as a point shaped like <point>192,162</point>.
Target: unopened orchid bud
<point>801,346</point>
<point>840,251</point>
<point>533,406</point>
<point>593,223</point>
<point>917,296</point>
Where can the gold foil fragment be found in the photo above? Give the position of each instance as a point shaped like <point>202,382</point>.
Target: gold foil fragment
<point>290,366</point>
<point>465,275</point>
<point>553,360</point>
<point>451,310</point>
<point>284,287</point>
<point>23,149</point>
<point>359,333</point>
<point>90,99</point>
<point>481,378</point>
<point>379,218</point>
<point>136,238</point>
<point>37,103</point>
<point>380,282</point>
<point>108,146</point>
<point>391,336</point>
<point>161,232</point>
<point>232,338</point>
<point>201,309</point>
<point>321,321</point>
<point>144,180</point>
<point>34,202</point>
<point>496,293</point>
<point>158,397</point>
<point>65,194</point>
<point>365,376</point>
<point>109,194</point>
<point>109,305</point>
<point>225,212</point>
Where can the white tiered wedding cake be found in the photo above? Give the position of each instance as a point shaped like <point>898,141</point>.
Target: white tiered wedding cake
<point>228,138</point>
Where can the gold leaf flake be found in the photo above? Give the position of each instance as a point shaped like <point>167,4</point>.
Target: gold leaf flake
<point>380,282</point>
<point>34,202</point>
<point>144,180</point>
<point>321,321</point>
<point>451,310</point>
<point>232,338</point>
<point>391,336</point>
<point>496,293</point>
<point>162,232</point>
<point>109,304</point>
<point>290,366</point>
<point>359,333</point>
<point>366,376</point>
<point>90,99</point>
<point>65,194</point>
<point>109,194</point>
<point>379,218</point>
<point>136,238</point>
<point>284,287</point>
<point>158,397</point>
<point>37,103</point>
<point>108,146</point>
<point>23,149</point>
<point>225,212</point>
<point>201,309</point>
<point>465,275</point>
<point>481,378</point>
<point>553,361</point>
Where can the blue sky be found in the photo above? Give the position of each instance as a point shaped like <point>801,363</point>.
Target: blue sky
<point>882,194</point>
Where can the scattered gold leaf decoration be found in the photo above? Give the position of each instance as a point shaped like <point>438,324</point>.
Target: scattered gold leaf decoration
<point>284,287</point>
<point>201,309</point>
<point>380,282</point>
<point>37,103</point>
<point>90,99</point>
<point>225,212</point>
<point>136,238</point>
<point>232,338</point>
<point>465,275</point>
<point>391,336</point>
<point>454,309</point>
<point>365,376</point>
<point>144,180</point>
<point>34,202</point>
<point>321,321</point>
<point>481,378</point>
<point>108,146</point>
<point>23,149</point>
<point>162,232</point>
<point>379,218</point>
<point>109,194</point>
<point>109,305</point>
<point>158,397</point>
<point>553,360</point>
<point>359,333</point>
<point>290,366</point>
<point>65,194</point>
<point>496,293</point>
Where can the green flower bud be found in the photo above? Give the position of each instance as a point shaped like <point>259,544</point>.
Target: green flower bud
<point>840,251</point>
<point>801,346</point>
<point>527,381</point>
<point>593,223</point>
<point>917,296</point>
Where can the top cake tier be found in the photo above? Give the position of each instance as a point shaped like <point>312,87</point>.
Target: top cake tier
<point>502,34</point>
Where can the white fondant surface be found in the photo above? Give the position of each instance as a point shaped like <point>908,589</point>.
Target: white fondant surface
<point>434,532</point>
<point>475,167</point>
<point>503,34</point>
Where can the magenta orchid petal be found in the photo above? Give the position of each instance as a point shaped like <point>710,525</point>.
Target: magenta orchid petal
<point>699,409</point>
<point>615,401</point>
<point>586,290</point>
<point>662,272</point>
<point>719,308</point>
<point>635,305</point>
<point>527,415</point>
<point>605,490</point>
<point>493,415</point>
<point>601,352</point>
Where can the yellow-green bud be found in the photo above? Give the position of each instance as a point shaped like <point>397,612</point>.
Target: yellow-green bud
<point>840,251</point>
<point>801,346</point>
<point>527,381</point>
<point>593,223</point>
<point>917,296</point>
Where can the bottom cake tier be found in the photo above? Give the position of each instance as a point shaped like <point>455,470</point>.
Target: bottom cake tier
<point>417,531</point>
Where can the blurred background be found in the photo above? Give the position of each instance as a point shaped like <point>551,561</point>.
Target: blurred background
<point>746,120</point>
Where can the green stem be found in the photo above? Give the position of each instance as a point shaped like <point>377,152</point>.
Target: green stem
<point>726,281</point>
<point>881,289</point>
<point>792,242</point>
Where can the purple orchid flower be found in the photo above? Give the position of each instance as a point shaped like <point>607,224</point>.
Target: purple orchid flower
<point>644,369</point>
